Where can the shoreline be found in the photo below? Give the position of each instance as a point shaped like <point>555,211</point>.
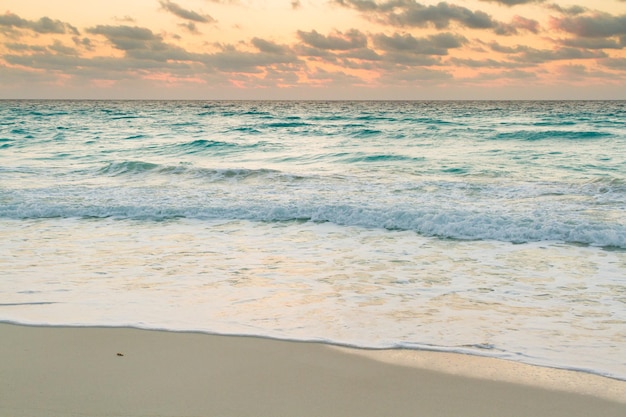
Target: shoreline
<point>100,371</point>
<point>432,358</point>
<point>502,370</point>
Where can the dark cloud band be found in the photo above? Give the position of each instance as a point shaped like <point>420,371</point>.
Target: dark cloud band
<point>10,21</point>
<point>177,10</point>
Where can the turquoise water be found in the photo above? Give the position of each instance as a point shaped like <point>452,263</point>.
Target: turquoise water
<point>492,228</point>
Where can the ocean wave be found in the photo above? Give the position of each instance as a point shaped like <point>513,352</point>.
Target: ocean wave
<point>378,158</point>
<point>19,131</point>
<point>256,113</point>
<point>200,146</point>
<point>46,113</point>
<point>125,116</point>
<point>286,124</point>
<point>246,129</point>
<point>5,143</point>
<point>366,133</point>
<point>127,167</point>
<point>445,223</point>
<point>607,184</point>
<point>136,136</point>
<point>139,168</point>
<point>470,178</point>
<point>535,135</point>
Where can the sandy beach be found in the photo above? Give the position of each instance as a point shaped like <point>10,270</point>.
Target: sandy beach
<point>59,371</point>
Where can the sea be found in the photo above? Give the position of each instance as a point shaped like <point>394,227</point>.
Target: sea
<point>492,228</point>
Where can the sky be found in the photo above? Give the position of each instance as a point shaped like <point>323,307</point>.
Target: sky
<point>320,50</point>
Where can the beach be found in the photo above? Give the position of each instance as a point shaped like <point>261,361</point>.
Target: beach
<point>82,371</point>
<point>471,254</point>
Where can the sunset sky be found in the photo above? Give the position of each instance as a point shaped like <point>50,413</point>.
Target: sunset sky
<point>305,49</point>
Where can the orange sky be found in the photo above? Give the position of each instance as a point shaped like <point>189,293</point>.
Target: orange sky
<point>304,49</point>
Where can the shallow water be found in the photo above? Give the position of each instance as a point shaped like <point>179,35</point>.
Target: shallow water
<point>494,228</point>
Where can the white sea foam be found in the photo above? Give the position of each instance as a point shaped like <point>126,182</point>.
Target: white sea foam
<point>462,216</point>
<point>544,303</point>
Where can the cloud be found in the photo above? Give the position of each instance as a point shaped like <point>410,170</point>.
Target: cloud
<point>126,19</point>
<point>597,25</point>
<point>539,56</point>
<point>140,43</point>
<point>441,15</point>
<point>595,43</point>
<point>232,60</point>
<point>399,56</point>
<point>593,31</point>
<point>81,72</point>
<point>270,47</point>
<point>57,47</point>
<point>530,25</point>
<point>44,25</point>
<point>84,43</point>
<point>518,22</point>
<point>22,47</point>
<point>176,10</point>
<point>350,49</point>
<point>514,74</point>
<point>333,77</point>
<point>514,2</point>
<point>573,70</point>
<point>438,44</point>
<point>496,47</point>
<point>61,49</point>
<point>487,63</point>
<point>365,54</point>
<point>410,75</point>
<point>572,10</point>
<point>146,54</point>
<point>352,39</point>
<point>189,27</point>
<point>67,64</point>
<point>12,76</point>
<point>47,25</point>
<point>615,63</point>
<point>582,73</point>
<point>526,54</point>
<point>125,37</point>
<point>308,51</point>
<point>409,13</point>
<point>393,61</point>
